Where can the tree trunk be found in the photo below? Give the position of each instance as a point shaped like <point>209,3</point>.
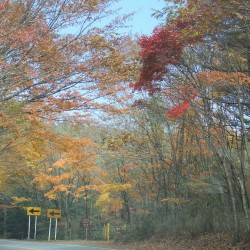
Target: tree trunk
<point>233,202</point>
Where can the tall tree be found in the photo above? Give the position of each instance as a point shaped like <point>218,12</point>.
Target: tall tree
<point>200,61</point>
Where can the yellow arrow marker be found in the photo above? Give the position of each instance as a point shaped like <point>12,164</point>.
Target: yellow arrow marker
<point>35,211</point>
<point>54,213</point>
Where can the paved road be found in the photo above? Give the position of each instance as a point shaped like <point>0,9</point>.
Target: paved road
<point>34,245</point>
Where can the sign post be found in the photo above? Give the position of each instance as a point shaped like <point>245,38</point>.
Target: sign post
<point>53,214</point>
<point>108,231</point>
<point>49,229</point>
<point>33,211</point>
<point>35,227</point>
<point>85,223</point>
<point>56,229</point>
<point>29,229</point>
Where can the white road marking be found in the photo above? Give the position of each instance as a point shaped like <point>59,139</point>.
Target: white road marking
<point>54,244</point>
<point>21,247</point>
<point>76,245</point>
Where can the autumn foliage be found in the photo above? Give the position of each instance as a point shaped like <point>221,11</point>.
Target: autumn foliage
<point>165,48</point>
<point>198,63</point>
<point>74,137</point>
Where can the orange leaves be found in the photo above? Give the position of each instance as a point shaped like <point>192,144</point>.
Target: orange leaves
<point>184,171</point>
<point>41,60</point>
<point>62,162</point>
<point>210,78</point>
<point>22,148</point>
<point>109,199</point>
<point>46,72</point>
<point>208,16</point>
<point>69,168</point>
<point>85,191</point>
<point>57,190</point>
<point>41,181</point>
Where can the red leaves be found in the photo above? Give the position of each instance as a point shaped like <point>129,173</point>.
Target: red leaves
<point>166,45</point>
<point>178,111</point>
<point>159,50</point>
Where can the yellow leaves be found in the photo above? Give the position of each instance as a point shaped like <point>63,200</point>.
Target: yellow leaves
<point>184,171</point>
<point>24,142</point>
<point>44,181</point>
<point>108,204</point>
<point>62,163</point>
<point>70,164</point>
<point>66,176</point>
<point>85,191</point>
<point>104,198</point>
<point>98,182</point>
<point>55,184</point>
<point>109,199</point>
<point>116,188</point>
<point>98,40</point>
<point>16,201</point>
<point>50,66</point>
<point>177,201</point>
<point>59,189</point>
<point>51,195</point>
<point>41,182</point>
<point>31,153</point>
<point>83,6</point>
<point>239,15</point>
<point>117,141</point>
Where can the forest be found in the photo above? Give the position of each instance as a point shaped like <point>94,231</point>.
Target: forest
<point>146,135</point>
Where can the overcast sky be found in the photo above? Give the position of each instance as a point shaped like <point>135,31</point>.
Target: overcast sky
<point>142,22</point>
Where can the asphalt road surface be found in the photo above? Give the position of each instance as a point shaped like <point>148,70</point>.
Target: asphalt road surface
<point>34,245</point>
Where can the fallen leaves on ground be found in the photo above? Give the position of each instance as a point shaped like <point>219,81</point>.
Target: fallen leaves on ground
<point>202,242</point>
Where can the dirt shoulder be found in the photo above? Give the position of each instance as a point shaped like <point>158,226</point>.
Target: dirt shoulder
<point>202,242</point>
